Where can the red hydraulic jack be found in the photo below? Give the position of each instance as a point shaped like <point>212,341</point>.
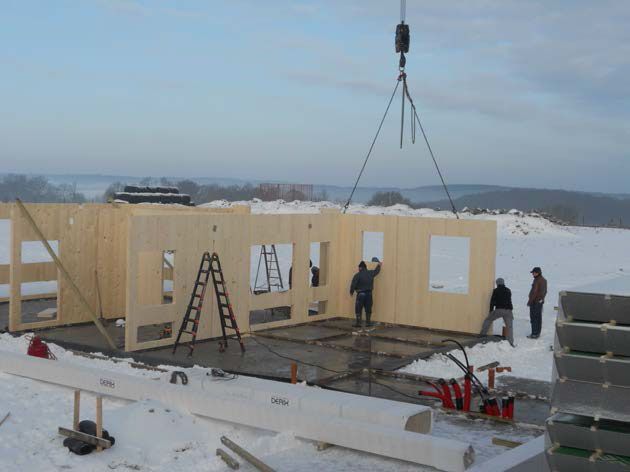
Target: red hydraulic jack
<point>490,405</point>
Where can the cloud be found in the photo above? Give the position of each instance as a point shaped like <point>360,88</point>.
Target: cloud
<point>320,79</point>
<point>137,8</point>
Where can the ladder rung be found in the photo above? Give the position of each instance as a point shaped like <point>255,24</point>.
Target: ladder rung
<point>194,333</point>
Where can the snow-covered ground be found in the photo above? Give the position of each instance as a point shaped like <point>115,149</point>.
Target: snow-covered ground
<point>154,437</point>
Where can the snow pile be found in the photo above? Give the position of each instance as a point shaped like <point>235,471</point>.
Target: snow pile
<point>531,359</point>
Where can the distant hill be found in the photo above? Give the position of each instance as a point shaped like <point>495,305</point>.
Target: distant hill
<point>573,207</point>
<point>418,194</point>
<point>94,185</point>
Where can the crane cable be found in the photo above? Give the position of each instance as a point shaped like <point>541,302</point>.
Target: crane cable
<point>402,41</point>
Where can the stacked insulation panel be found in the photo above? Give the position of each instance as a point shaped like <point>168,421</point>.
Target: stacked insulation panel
<point>590,424</point>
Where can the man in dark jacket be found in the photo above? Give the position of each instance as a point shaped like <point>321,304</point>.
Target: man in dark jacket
<point>535,301</point>
<point>500,307</point>
<point>363,283</point>
<point>315,277</point>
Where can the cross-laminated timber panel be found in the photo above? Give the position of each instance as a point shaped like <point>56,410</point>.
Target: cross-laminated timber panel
<point>92,247</point>
<point>401,292</point>
<point>401,295</point>
<point>231,236</point>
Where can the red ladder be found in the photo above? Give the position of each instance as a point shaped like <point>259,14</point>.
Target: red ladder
<point>195,304</point>
<point>223,302</point>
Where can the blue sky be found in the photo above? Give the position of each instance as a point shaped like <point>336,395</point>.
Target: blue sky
<point>524,93</point>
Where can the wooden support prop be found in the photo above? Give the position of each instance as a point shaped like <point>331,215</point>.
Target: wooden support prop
<point>5,418</point>
<point>97,440</point>
<point>98,295</point>
<point>488,366</point>
<point>65,274</point>
<point>506,443</point>
<point>86,438</point>
<point>491,378</point>
<point>293,372</point>
<point>77,409</point>
<point>260,465</point>
<point>99,421</point>
<point>228,459</point>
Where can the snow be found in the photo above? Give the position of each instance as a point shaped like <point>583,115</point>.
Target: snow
<point>154,437</point>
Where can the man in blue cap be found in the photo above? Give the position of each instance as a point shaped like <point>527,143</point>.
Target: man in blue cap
<point>535,302</point>
<point>363,283</point>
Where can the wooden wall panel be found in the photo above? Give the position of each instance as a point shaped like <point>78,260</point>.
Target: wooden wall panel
<point>117,250</point>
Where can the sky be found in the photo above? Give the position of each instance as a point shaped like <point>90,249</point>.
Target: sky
<point>510,92</point>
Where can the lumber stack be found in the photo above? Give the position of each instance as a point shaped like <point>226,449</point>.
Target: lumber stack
<point>590,426</point>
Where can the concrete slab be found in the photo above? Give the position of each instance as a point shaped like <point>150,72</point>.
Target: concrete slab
<point>419,336</point>
<point>384,346</point>
<point>524,387</point>
<point>30,311</point>
<point>308,332</point>
<point>338,323</point>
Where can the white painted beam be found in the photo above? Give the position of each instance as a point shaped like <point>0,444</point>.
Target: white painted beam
<point>367,424</point>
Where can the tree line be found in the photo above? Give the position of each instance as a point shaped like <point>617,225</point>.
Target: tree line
<point>37,189</point>
<point>204,193</point>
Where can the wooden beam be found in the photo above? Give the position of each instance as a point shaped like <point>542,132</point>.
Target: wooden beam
<point>228,459</point>
<point>99,421</point>
<point>86,438</point>
<point>66,275</point>
<point>260,465</point>
<point>506,443</point>
<point>77,409</point>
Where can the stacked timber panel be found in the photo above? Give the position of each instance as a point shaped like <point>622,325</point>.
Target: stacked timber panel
<point>590,426</point>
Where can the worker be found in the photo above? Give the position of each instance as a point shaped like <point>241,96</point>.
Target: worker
<point>536,301</point>
<point>363,283</point>
<point>500,307</point>
<point>310,264</point>
<point>315,276</point>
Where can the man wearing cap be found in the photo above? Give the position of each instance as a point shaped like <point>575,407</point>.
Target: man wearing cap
<point>536,300</point>
<point>363,283</point>
<point>500,307</point>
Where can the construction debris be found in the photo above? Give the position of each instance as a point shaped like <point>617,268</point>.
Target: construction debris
<point>253,460</point>
<point>228,459</point>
